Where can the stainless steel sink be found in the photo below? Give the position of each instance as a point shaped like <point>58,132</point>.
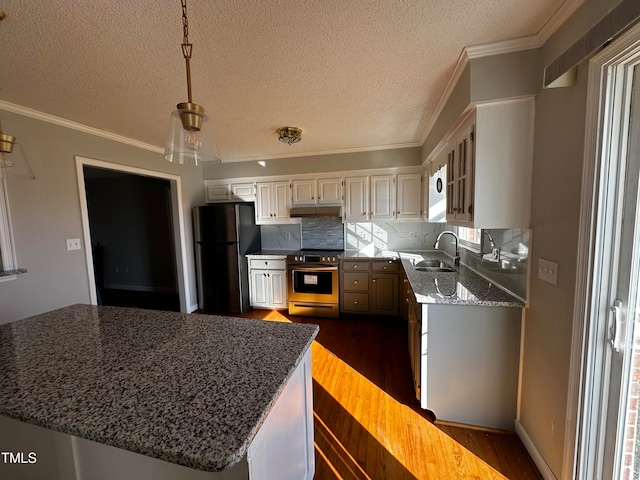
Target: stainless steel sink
<point>435,269</point>
<point>432,265</point>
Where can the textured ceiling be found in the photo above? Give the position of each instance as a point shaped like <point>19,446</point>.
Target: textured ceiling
<point>353,74</point>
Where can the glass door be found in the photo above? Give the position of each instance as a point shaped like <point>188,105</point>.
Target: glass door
<point>614,408</point>
<point>622,406</point>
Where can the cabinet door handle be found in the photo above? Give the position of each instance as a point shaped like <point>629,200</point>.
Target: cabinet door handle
<point>355,282</point>
<point>373,281</point>
<point>266,263</point>
<point>355,302</point>
<point>355,266</point>
<point>384,268</point>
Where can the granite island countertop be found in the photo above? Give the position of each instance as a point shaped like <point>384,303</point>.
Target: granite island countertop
<point>185,388</point>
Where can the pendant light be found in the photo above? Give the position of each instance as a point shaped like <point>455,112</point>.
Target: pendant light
<point>190,140</point>
<point>13,161</point>
<point>6,148</point>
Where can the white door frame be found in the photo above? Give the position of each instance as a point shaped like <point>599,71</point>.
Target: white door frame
<point>605,145</point>
<point>176,211</point>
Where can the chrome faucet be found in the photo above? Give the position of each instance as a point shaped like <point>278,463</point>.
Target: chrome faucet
<point>456,260</point>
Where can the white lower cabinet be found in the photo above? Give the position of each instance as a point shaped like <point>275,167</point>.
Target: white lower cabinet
<point>465,362</point>
<point>267,283</point>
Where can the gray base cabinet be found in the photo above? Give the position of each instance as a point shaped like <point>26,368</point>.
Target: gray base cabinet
<point>370,287</point>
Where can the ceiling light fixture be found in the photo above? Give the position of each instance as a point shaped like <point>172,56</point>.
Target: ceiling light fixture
<point>289,135</point>
<point>188,141</point>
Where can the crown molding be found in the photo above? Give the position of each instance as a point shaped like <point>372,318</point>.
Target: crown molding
<point>324,152</point>
<point>45,117</point>
<point>498,48</point>
<point>462,62</point>
<point>565,10</point>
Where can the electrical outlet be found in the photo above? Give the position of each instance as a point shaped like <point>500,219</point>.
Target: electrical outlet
<point>548,271</point>
<point>495,253</point>
<point>73,244</point>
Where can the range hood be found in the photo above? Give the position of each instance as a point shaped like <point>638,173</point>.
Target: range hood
<point>298,212</point>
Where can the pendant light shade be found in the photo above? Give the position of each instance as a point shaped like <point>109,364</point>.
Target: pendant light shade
<point>190,140</point>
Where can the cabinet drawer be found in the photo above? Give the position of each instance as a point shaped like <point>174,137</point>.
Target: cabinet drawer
<point>348,266</point>
<point>386,266</point>
<point>267,263</point>
<point>355,302</point>
<point>355,282</point>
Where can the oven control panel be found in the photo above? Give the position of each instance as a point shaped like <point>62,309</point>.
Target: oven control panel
<point>315,258</point>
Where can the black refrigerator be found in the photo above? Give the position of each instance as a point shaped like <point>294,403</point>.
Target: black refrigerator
<point>223,235</point>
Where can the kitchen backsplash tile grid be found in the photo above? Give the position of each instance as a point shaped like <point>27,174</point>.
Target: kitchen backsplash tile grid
<point>322,233</point>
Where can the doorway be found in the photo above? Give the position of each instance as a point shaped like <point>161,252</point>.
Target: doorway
<point>132,221</point>
<point>132,242</point>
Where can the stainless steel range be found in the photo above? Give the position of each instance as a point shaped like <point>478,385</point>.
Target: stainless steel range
<point>312,279</point>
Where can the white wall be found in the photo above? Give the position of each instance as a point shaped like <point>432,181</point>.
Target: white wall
<point>46,211</point>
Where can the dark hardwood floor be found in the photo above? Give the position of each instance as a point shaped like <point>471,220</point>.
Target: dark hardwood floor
<point>368,424</point>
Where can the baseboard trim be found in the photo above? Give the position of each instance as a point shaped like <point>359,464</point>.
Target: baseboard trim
<point>535,454</point>
<point>466,426</point>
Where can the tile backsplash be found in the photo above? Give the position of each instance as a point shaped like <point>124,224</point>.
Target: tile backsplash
<point>322,233</point>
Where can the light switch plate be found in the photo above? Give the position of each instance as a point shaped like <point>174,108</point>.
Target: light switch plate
<point>548,271</point>
<point>73,244</point>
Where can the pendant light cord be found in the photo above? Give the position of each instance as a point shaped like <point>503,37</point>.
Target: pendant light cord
<point>186,47</point>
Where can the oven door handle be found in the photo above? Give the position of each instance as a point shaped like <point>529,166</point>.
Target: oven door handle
<point>314,269</point>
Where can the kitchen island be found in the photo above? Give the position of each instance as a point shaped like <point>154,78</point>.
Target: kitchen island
<point>107,392</point>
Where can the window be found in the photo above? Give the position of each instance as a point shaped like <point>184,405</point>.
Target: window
<point>470,238</point>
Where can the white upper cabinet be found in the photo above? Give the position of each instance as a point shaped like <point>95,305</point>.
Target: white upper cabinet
<point>435,197</point>
<point>330,191</point>
<point>489,166</point>
<point>234,192</point>
<point>273,202</point>
<point>383,197</point>
<point>321,191</point>
<point>245,192</point>
<point>460,163</point>
<point>303,192</point>
<point>218,192</point>
<point>356,199</point>
<point>409,196</point>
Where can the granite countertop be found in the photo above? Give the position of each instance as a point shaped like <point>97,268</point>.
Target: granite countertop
<point>463,287</point>
<point>271,254</point>
<point>185,388</point>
